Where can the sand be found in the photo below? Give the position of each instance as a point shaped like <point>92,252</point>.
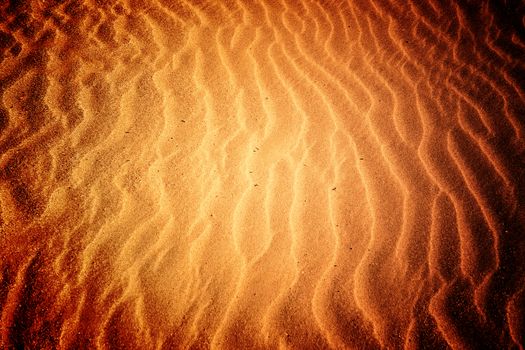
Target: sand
<point>273,174</point>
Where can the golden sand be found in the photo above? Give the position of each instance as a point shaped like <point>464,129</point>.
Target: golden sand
<point>274,174</point>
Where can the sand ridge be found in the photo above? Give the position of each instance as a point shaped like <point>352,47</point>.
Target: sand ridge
<point>261,174</point>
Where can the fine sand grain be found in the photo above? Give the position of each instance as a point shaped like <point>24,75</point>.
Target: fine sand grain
<point>273,174</point>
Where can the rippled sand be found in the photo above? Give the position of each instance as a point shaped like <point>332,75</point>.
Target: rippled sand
<point>289,174</point>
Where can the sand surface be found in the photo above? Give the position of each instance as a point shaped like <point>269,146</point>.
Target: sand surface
<point>270,174</point>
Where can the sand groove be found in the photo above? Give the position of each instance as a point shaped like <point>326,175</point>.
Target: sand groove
<point>262,174</point>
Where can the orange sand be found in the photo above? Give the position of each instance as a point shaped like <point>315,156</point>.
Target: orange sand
<point>273,174</point>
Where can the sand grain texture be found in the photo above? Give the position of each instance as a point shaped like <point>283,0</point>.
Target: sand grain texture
<point>274,174</point>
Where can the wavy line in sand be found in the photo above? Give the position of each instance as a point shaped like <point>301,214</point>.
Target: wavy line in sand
<point>276,174</point>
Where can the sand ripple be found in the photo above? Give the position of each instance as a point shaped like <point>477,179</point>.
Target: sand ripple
<point>262,174</point>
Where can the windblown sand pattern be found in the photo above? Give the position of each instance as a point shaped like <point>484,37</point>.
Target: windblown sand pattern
<point>290,174</point>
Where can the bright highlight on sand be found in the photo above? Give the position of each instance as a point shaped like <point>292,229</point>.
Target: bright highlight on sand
<point>274,174</point>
